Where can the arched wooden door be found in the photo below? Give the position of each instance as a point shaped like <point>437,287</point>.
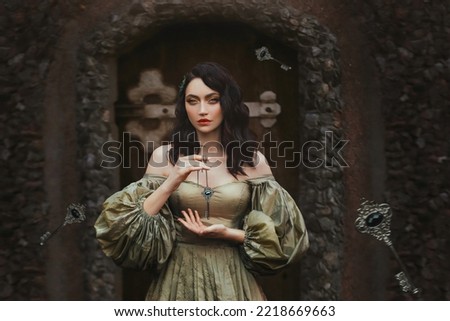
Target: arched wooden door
<point>175,50</point>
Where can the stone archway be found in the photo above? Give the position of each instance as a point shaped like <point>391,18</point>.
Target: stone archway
<point>321,189</point>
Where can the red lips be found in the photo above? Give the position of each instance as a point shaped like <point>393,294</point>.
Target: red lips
<point>203,121</point>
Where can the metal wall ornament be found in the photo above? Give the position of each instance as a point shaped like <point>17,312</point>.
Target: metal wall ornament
<point>75,213</point>
<point>375,219</point>
<point>264,54</point>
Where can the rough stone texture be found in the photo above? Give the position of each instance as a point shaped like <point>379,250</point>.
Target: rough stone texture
<point>408,41</point>
<point>30,32</point>
<point>26,41</point>
<point>321,187</point>
<point>410,44</point>
<point>98,183</point>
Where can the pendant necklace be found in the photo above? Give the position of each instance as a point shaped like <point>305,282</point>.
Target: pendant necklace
<point>207,191</point>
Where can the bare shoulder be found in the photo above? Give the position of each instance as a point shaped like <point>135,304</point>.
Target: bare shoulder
<point>261,168</point>
<point>159,161</point>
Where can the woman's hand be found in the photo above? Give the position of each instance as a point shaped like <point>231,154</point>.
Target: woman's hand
<point>181,170</point>
<point>194,224</point>
<point>176,174</point>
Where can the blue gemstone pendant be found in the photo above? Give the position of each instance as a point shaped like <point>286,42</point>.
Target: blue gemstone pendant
<point>374,219</point>
<point>207,193</point>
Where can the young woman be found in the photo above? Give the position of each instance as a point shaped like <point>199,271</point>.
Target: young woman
<point>208,214</point>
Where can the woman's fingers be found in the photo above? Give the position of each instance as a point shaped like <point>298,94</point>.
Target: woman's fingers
<point>188,225</point>
<point>192,221</point>
<point>187,217</point>
<point>192,217</point>
<point>197,218</point>
<point>192,162</point>
<point>183,222</point>
<point>184,167</point>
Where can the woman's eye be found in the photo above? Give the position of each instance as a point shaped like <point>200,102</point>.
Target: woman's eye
<point>191,102</point>
<point>214,100</point>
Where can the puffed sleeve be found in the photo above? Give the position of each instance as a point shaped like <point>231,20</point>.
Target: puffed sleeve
<point>130,236</point>
<point>275,233</point>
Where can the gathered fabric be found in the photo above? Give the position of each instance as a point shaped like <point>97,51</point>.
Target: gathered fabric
<point>189,267</point>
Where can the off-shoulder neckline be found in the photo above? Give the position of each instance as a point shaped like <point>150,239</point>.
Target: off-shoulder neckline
<point>248,180</point>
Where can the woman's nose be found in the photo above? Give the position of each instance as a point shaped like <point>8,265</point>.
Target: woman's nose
<point>203,108</point>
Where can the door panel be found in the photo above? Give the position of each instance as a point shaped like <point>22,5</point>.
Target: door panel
<point>174,51</point>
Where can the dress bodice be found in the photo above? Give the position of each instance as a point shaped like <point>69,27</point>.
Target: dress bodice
<point>192,268</point>
<point>228,203</point>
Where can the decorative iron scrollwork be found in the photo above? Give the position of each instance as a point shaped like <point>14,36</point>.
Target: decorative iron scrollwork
<point>375,219</point>
<point>75,213</point>
<point>264,54</point>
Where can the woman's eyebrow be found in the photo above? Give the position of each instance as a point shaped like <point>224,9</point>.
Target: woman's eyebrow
<point>207,96</point>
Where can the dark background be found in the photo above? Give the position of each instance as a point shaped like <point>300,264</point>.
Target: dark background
<point>394,58</point>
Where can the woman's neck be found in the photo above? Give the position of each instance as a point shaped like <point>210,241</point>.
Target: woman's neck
<point>208,138</point>
<point>210,144</point>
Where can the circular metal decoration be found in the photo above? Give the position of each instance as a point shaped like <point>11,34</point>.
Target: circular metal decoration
<point>264,54</point>
<point>75,213</point>
<point>375,219</point>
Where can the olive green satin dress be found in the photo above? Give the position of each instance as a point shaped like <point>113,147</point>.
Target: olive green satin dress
<point>192,268</point>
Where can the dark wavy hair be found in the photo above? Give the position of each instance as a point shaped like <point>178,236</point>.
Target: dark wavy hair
<point>236,139</point>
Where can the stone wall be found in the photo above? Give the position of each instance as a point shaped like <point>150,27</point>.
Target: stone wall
<point>29,32</point>
<point>409,40</point>
<point>29,44</point>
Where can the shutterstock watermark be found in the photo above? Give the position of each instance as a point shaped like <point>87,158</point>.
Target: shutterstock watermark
<point>312,154</point>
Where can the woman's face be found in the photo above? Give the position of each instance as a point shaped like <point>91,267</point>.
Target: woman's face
<point>203,107</point>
